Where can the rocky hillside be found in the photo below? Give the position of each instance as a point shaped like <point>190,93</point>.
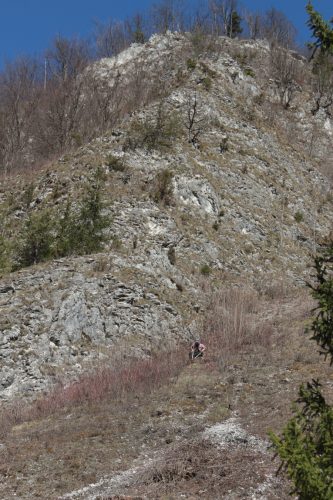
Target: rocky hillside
<point>214,182</point>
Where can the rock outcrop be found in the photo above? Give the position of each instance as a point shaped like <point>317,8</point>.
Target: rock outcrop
<point>246,203</point>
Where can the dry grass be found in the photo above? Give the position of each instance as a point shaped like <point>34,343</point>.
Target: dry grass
<point>236,323</point>
<point>125,378</point>
<point>198,469</point>
<point>195,459</point>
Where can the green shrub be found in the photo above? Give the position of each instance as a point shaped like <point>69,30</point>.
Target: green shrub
<point>116,243</point>
<point>249,72</point>
<point>78,230</point>
<point>201,42</point>
<point>5,260</point>
<point>180,76</point>
<point>81,229</point>
<point>206,69</point>
<point>224,144</point>
<point>163,189</point>
<point>191,64</point>
<point>58,190</point>
<point>143,133</point>
<point>28,195</point>
<point>77,139</point>
<point>259,99</point>
<point>299,217</point>
<point>241,58</point>
<point>216,225</point>
<point>206,270</point>
<point>115,164</point>
<point>154,132</point>
<point>65,243</point>
<point>37,239</point>
<point>207,83</point>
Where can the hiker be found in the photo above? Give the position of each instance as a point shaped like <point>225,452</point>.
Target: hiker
<point>197,350</point>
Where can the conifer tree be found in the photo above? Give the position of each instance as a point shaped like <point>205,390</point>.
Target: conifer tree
<point>37,240</point>
<point>322,53</point>
<point>81,231</point>
<point>306,444</point>
<point>321,31</point>
<point>234,27</point>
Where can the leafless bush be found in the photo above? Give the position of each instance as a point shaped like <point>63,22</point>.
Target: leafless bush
<point>105,103</point>
<point>286,72</point>
<point>233,324</point>
<point>198,22</point>
<point>168,15</point>
<point>163,188</point>
<point>137,28</point>
<point>323,85</point>
<point>275,290</point>
<point>202,470</point>
<point>194,119</point>
<point>111,38</point>
<point>278,30</point>
<point>254,21</point>
<point>195,459</point>
<point>126,377</point>
<point>19,94</point>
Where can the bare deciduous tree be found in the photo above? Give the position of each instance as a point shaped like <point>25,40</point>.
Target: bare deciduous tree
<point>67,58</point>
<point>323,85</point>
<point>224,17</point>
<point>199,21</point>
<point>168,15</point>
<point>194,120</point>
<point>103,103</point>
<point>278,29</point>
<point>286,72</point>
<point>19,92</point>
<point>111,38</point>
<point>61,105</point>
<point>254,21</point>
<point>136,29</point>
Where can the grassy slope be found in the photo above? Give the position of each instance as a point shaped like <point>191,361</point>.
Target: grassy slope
<point>156,436</point>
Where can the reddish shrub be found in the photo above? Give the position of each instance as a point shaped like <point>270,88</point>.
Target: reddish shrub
<point>136,376</point>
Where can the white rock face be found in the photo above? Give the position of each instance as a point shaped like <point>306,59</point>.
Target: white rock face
<point>76,325</point>
<point>196,193</point>
<point>328,126</point>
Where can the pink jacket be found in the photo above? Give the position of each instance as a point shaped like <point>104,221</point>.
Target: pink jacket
<point>202,347</point>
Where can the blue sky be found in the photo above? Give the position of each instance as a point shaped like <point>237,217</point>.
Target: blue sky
<point>28,26</point>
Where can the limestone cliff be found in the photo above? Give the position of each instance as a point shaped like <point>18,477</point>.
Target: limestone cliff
<point>244,200</point>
